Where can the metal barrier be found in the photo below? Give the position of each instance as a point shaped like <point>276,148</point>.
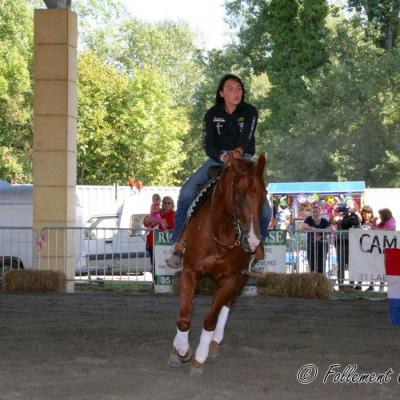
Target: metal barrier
<point>327,253</point>
<point>119,255</point>
<point>86,255</point>
<point>16,248</point>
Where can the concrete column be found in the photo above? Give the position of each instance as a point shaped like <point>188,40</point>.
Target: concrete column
<point>54,137</point>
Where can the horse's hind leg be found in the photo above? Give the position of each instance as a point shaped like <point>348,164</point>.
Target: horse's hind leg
<point>218,336</point>
<point>181,351</point>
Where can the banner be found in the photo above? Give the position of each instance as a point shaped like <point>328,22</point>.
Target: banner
<point>366,259</point>
<point>274,259</point>
<point>274,252</point>
<point>163,274</point>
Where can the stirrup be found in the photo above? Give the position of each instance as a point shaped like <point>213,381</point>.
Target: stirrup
<point>250,267</point>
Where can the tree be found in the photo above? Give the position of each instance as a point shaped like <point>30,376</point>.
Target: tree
<point>349,117</point>
<point>384,15</point>
<point>286,40</point>
<point>16,32</point>
<point>126,126</point>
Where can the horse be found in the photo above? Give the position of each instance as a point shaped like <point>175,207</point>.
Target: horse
<point>220,242</point>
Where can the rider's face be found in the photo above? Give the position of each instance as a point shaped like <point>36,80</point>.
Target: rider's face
<point>232,93</point>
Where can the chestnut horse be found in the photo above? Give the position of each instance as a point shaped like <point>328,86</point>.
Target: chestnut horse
<point>220,241</point>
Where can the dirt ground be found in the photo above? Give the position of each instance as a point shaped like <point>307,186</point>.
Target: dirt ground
<point>114,346</point>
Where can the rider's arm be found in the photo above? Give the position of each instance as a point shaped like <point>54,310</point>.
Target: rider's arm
<point>209,134</point>
<point>247,135</point>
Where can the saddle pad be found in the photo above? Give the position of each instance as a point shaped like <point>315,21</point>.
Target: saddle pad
<point>203,195</point>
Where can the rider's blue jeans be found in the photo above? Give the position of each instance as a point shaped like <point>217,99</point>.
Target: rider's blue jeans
<point>189,192</point>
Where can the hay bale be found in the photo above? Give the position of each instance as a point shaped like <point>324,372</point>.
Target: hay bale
<point>23,280</point>
<point>204,287</point>
<point>305,285</point>
<point>272,284</point>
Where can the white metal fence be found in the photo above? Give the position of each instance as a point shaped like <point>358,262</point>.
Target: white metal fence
<point>96,254</point>
<point>119,255</point>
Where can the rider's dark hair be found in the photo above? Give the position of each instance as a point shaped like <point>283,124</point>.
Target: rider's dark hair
<point>218,98</point>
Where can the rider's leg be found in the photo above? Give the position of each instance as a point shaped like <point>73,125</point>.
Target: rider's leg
<point>266,215</point>
<point>186,196</point>
<point>265,219</point>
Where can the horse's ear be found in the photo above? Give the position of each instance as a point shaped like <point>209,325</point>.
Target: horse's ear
<point>261,164</point>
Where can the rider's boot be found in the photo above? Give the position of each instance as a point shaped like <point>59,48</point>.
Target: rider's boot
<point>175,259</point>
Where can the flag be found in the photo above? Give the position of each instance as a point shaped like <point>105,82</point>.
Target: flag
<point>392,267</point>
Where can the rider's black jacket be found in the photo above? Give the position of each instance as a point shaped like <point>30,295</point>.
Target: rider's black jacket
<point>224,132</point>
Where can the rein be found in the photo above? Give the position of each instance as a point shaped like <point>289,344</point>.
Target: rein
<point>236,223</point>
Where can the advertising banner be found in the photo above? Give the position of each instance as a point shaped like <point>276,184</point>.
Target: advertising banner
<point>163,274</point>
<point>274,259</point>
<point>366,259</point>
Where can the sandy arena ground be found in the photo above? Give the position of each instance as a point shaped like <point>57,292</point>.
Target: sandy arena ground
<point>114,346</point>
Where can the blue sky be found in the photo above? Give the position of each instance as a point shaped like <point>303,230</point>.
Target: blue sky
<point>206,17</point>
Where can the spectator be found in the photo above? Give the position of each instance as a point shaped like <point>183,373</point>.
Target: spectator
<point>367,221</point>
<point>386,220</point>
<point>345,220</point>
<point>155,208</point>
<point>167,214</point>
<point>316,244</point>
<point>367,217</point>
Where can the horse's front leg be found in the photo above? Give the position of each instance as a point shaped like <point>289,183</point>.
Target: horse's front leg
<point>222,295</point>
<point>181,351</point>
<point>218,335</point>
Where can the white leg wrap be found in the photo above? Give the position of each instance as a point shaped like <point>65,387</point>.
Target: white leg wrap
<point>219,329</point>
<point>181,342</point>
<point>204,345</point>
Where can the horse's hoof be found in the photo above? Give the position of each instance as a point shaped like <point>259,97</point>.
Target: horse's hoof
<point>196,369</point>
<point>175,360</point>
<point>213,353</point>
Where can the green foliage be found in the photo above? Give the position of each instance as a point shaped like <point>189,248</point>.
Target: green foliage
<point>11,169</point>
<point>15,90</point>
<point>160,58</point>
<point>126,126</point>
<point>327,89</point>
<point>385,17</point>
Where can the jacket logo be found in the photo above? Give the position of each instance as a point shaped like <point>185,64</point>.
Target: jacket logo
<point>219,123</point>
<point>241,123</point>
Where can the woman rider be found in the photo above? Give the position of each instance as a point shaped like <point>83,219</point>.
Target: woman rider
<point>229,126</point>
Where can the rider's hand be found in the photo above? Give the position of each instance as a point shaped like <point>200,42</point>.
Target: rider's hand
<point>238,152</point>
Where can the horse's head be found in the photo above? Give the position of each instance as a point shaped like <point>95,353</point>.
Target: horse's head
<point>247,196</point>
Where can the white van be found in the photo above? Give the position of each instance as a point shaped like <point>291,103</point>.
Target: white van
<point>108,243</point>
<point>116,242</point>
<point>16,233</point>
<point>18,240</point>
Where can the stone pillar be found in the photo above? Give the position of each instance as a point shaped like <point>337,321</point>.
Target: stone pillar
<point>54,137</point>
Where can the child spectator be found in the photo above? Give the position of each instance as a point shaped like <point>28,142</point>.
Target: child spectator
<point>155,209</point>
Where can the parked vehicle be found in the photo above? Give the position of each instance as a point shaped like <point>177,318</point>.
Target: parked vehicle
<point>107,243</point>
<point>19,243</point>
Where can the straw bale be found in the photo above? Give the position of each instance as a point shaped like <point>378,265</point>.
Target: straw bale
<point>23,280</point>
<point>303,285</point>
<point>272,284</point>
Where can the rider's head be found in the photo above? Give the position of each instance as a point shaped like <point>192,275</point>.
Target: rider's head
<point>229,77</point>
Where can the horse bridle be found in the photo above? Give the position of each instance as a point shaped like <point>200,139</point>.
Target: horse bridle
<point>236,222</point>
